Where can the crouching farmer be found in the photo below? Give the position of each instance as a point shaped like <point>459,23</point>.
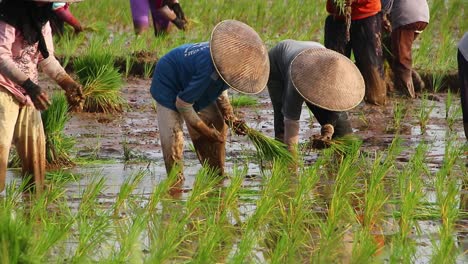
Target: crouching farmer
<point>328,81</point>
<point>25,45</point>
<point>190,84</point>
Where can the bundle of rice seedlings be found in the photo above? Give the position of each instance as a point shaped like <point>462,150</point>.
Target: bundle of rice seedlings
<point>101,82</point>
<point>267,148</point>
<point>340,145</point>
<point>243,100</point>
<point>58,144</point>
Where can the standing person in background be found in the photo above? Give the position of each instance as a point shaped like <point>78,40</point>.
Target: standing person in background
<point>63,15</point>
<point>357,27</point>
<point>190,84</point>
<point>328,81</point>
<point>162,12</point>
<point>26,44</point>
<point>408,19</point>
<point>462,58</point>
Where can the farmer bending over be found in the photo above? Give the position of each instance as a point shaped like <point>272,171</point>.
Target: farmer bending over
<point>463,75</point>
<point>328,82</point>
<point>25,45</point>
<point>163,13</point>
<point>190,84</point>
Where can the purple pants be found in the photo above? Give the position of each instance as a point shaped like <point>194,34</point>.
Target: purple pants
<point>140,14</point>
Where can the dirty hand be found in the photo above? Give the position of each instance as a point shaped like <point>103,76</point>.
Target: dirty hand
<point>239,126</point>
<point>38,97</point>
<point>179,23</point>
<point>178,11</point>
<point>216,135</point>
<point>386,23</point>
<point>323,140</point>
<point>73,92</point>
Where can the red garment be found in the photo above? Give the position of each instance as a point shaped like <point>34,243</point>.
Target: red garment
<point>359,9</point>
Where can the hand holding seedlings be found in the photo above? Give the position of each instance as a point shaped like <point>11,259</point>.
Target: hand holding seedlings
<point>73,92</point>
<point>323,140</point>
<point>239,127</point>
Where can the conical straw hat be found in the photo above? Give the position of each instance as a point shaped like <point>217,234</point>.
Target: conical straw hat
<point>239,56</point>
<point>327,79</point>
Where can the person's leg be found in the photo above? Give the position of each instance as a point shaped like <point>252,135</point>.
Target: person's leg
<point>335,36</point>
<point>339,120</point>
<point>275,91</point>
<point>209,152</point>
<point>9,110</point>
<point>139,9</point>
<point>463,75</point>
<point>402,41</point>
<point>366,43</point>
<point>29,140</point>
<point>172,139</point>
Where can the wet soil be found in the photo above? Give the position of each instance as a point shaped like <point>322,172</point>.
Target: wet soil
<point>130,140</point>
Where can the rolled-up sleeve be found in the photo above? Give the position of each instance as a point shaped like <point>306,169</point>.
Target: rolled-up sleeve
<point>8,67</point>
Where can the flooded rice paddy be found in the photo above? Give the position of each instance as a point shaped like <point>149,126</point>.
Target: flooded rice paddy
<point>120,147</point>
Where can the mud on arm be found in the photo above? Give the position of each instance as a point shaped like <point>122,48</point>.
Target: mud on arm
<point>191,118</point>
<point>230,118</point>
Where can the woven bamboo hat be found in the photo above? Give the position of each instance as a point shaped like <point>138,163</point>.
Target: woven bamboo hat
<point>239,56</point>
<point>327,79</point>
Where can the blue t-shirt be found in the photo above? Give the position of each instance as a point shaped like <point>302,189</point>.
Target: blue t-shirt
<point>188,72</point>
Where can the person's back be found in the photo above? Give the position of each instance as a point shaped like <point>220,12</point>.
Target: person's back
<point>284,52</point>
<point>405,12</point>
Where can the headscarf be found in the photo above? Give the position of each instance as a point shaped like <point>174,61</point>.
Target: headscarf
<point>29,19</point>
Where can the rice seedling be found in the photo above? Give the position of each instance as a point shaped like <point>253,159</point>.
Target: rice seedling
<point>101,82</point>
<point>399,112</point>
<point>425,111</point>
<point>446,191</point>
<point>128,65</point>
<point>268,148</point>
<point>339,209</point>
<point>126,189</point>
<point>243,100</point>
<point>58,145</point>
<point>410,196</point>
<point>148,69</point>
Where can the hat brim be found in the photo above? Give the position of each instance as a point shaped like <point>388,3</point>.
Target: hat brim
<point>327,79</point>
<point>239,56</point>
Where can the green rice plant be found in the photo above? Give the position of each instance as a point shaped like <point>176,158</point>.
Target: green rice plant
<point>67,46</point>
<point>128,65</point>
<point>148,69</point>
<point>126,189</point>
<point>446,191</point>
<point>454,115</point>
<point>14,237</point>
<point>448,103</point>
<point>274,190</point>
<point>290,235</point>
<point>410,197</point>
<point>58,145</point>
<point>268,148</point>
<point>399,112</point>
<point>60,176</point>
<point>243,100</point>
<point>129,232</point>
<point>101,82</point>
<point>340,209</point>
<point>425,111</point>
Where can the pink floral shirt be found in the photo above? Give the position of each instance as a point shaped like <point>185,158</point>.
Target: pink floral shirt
<point>19,60</point>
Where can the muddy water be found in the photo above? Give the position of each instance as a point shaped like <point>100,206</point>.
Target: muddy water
<point>134,134</point>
